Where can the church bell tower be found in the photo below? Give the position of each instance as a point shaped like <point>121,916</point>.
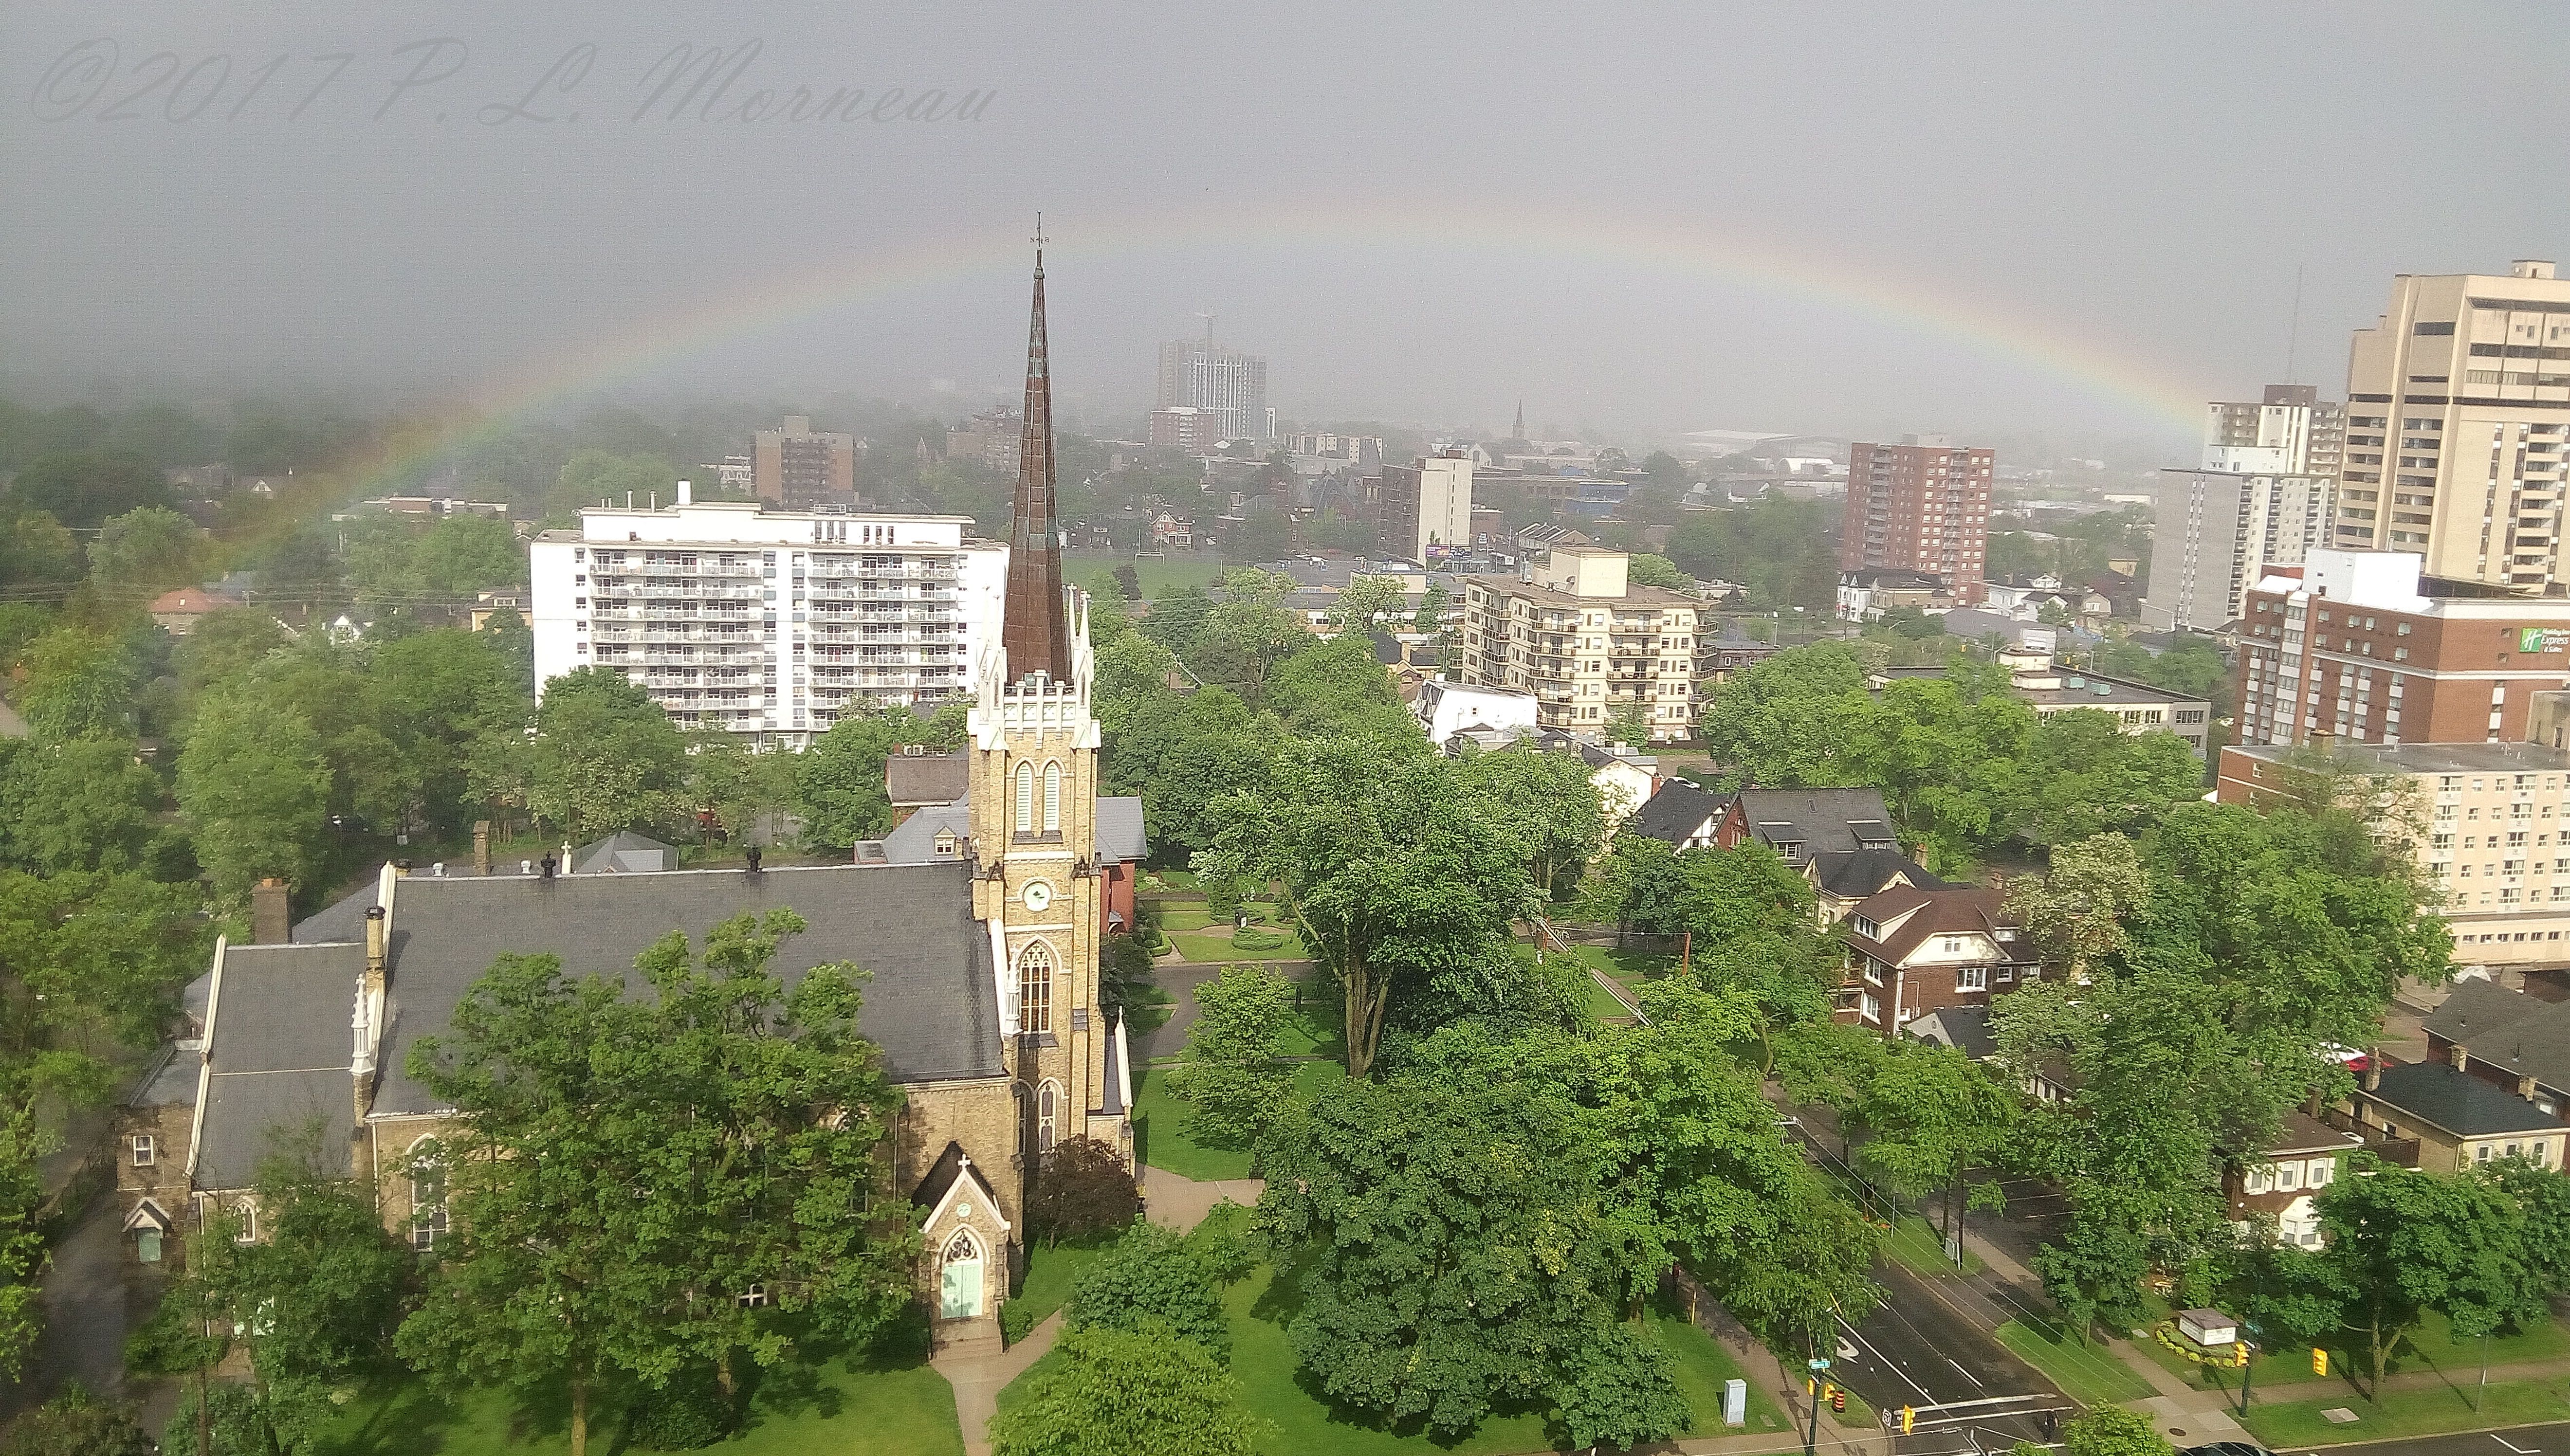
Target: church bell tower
<point>1033,796</point>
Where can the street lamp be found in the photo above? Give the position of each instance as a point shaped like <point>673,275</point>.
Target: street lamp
<point>1811,1436</point>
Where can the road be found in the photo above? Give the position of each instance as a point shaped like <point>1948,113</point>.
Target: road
<point>2523,1441</point>
<point>1919,1349</point>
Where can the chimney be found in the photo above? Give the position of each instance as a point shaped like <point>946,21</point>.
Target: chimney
<point>2461,1056</point>
<point>271,914</point>
<point>2525,1087</point>
<point>482,847</point>
<point>377,970</point>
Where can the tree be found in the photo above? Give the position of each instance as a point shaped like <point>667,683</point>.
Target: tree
<point>1392,876</point>
<point>764,1139</point>
<point>2076,911</point>
<point>1232,1075</point>
<point>83,488</point>
<point>1261,535</point>
<point>225,642</point>
<point>1114,1392</point>
<point>1153,1277</point>
<point>1431,617</point>
<point>1082,1188</point>
<point>1129,581</point>
<point>1505,1277</point>
<point>1368,600</point>
<point>256,791</point>
<point>1628,722</point>
<point>2406,1241</point>
<point>76,1424</point>
<point>78,803</point>
<point>35,548</point>
<point>79,681</point>
<point>1648,569</point>
<point>2111,1430</point>
<point>1547,801</point>
<point>1934,1115</point>
<point>840,785</point>
<point>731,786</point>
<point>1751,925</point>
<point>603,757</point>
<point>1337,686</point>
<point>2091,776</point>
<point>148,549</point>
<point>1785,721</point>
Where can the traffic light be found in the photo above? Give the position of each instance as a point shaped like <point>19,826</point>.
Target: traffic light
<point>2239,1354</point>
<point>1908,1418</point>
<point>2320,1362</point>
<point>1838,1399</point>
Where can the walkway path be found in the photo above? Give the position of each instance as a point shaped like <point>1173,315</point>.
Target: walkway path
<point>979,1371</point>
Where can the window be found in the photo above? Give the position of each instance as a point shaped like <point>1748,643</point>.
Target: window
<point>2288,1176</point>
<point>1048,1115</point>
<point>1026,798</point>
<point>427,1195</point>
<point>1868,1009</point>
<point>1035,988</point>
<point>1972,978</point>
<point>2322,1171</point>
<point>2259,1179</point>
<point>248,1212</point>
<point>144,1148</point>
<point>1052,797</point>
<point>754,1298</point>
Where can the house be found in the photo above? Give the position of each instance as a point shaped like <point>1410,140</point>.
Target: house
<point>2279,1182</point>
<point>1491,716</point>
<point>1680,815</point>
<point>1911,951</point>
<point>1719,658</point>
<point>1841,879</point>
<point>2440,1118</point>
<point>1799,822</point>
<point>1967,1029</point>
<point>1625,780</point>
<point>2506,1038</point>
<point>916,779</point>
<point>1865,595</point>
<point>181,610</point>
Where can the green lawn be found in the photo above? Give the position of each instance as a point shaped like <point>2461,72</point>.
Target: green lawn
<point>1212,944</point>
<point>2090,1374</point>
<point>1161,1125</point>
<point>1603,1007</point>
<point>1159,575</point>
<point>2431,1347</point>
<point>2410,1413</point>
<point>1916,1243</point>
<point>905,1409</point>
<point>1048,1277</point>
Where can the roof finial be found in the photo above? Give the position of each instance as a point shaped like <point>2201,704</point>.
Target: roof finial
<point>1038,241</point>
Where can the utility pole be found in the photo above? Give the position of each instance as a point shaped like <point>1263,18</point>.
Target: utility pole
<point>2245,1356</point>
<point>1812,1435</point>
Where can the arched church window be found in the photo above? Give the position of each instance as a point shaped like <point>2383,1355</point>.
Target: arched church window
<point>1052,797</point>
<point>427,1193</point>
<point>1026,798</point>
<point>1035,988</point>
<point>1048,1115</point>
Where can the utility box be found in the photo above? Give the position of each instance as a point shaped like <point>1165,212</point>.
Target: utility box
<point>1735,1402</point>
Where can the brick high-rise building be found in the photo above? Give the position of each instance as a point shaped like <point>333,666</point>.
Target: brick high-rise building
<point>2456,407</point>
<point>1922,505</point>
<point>2361,647</point>
<point>795,468</point>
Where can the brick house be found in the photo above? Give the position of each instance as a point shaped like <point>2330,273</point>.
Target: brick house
<point>2438,1117</point>
<point>1911,951</point>
<point>2280,1180</point>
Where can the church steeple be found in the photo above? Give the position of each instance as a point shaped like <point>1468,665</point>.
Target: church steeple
<point>1035,632</point>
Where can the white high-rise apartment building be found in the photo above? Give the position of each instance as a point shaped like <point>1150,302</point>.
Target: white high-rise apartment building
<point>1201,374</point>
<point>767,624</point>
<point>2261,498</point>
<point>2457,403</point>
<point>1575,632</point>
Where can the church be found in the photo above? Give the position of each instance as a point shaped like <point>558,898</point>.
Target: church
<point>983,996</point>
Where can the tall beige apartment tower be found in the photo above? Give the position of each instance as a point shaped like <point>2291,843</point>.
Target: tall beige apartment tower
<point>2456,406</point>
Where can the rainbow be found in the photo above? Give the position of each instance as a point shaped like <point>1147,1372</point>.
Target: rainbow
<point>1864,293</point>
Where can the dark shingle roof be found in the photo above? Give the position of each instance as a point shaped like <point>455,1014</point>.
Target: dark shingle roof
<point>1120,839</point>
<point>950,1165</point>
<point>1674,814</point>
<point>926,777</point>
<point>341,923</point>
<point>1817,819</point>
<point>2458,1102</point>
<point>1856,874</point>
<point>2507,1029</point>
<point>1964,1029</point>
<point>279,1049</point>
<point>623,853</point>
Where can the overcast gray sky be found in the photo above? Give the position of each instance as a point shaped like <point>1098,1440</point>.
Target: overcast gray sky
<point>1639,219</point>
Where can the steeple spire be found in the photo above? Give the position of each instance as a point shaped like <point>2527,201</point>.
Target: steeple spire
<point>1522,433</point>
<point>1035,630</point>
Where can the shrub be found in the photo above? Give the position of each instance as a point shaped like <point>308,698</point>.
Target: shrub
<point>1081,1187</point>
<point>1152,1278</point>
<point>72,1424</point>
<point>1223,897</point>
<point>1017,1316</point>
<point>1254,939</point>
<point>682,1415</point>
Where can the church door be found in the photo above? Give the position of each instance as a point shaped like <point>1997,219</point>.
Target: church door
<point>960,1287</point>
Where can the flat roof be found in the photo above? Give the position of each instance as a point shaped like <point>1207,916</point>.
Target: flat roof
<point>2429,758</point>
<point>2119,693</point>
<point>1633,595</point>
